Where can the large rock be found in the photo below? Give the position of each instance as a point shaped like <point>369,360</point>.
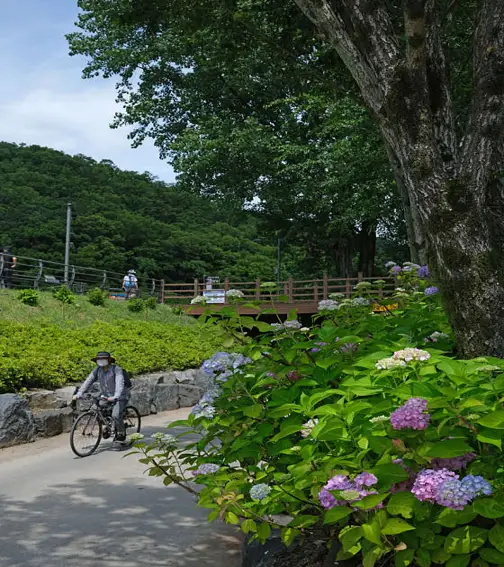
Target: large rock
<point>16,421</point>
<point>44,400</point>
<point>53,422</point>
<point>189,395</point>
<point>166,397</point>
<point>65,395</point>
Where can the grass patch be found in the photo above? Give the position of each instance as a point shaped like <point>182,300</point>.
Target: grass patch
<point>52,344</point>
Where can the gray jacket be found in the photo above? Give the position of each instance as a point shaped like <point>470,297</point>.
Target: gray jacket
<point>111,382</point>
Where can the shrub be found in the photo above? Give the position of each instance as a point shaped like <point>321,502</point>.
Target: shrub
<point>48,356</point>
<point>150,303</point>
<point>65,295</point>
<point>97,297</point>
<point>136,305</point>
<point>390,452</point>
<point>29,297</point>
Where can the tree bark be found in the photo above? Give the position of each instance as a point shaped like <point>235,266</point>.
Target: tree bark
<point>367,248</point>
<point>455,199</point>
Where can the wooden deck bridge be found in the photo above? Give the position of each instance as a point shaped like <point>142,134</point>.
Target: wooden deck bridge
<point>301,295</point>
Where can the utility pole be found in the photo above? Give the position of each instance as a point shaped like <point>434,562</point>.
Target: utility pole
<point>67,242</point>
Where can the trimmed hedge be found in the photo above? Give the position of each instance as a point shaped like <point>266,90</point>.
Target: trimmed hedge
<point>48,356</point>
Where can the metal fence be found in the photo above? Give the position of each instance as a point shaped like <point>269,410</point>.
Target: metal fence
<point>45,274</point>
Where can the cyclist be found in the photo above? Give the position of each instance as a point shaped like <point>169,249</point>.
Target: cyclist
<point>112,387</point>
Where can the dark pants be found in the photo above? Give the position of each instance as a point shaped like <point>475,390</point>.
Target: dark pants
<point>7,277</point>
<point>118,417</point>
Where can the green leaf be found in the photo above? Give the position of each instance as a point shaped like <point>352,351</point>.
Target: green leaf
<point>372,532</point>
<point>396,526</point>
<point>371,557</point>
<point>248,526</point>
<point>349,536</point>
<point>489,508</point>
<point>370,502</point>
<point>335,514</point>
<point>465,540</point>
<point>496,537</point>
<point>490,436</point>
<point>404,558</point>
<point>401,504</point>
<point>254,410</point>
<point>263,531</point>
<point>423,558</point>
<point>232,518</point>
<point>286,431</point>
<point>304,521</point>
<point>494,420</point>
<point>390,473</point>
<point>449,448</point>
<point>319,396</point>
<point>325,363</point>
<point>459,561</point>
<point>492,556</point>
<point>452,518</point>
<point>288,535</point>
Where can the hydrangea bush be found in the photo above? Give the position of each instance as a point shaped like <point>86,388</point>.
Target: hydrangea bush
<point>390,450</point>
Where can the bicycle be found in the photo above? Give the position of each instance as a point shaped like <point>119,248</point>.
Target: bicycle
<point>95,423</point>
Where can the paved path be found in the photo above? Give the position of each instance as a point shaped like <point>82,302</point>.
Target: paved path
<point>101,511</point>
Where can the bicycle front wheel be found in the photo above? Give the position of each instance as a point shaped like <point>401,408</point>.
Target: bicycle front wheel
<point>132,420</point>
<point>86,434</point>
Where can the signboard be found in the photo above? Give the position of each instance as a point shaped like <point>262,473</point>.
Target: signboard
<point>214,296</point>
<point>210,281</point>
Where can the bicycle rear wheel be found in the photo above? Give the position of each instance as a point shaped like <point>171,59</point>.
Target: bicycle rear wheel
<point>86,434</point>
<point>132,420</point>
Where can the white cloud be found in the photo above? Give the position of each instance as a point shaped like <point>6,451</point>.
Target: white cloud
<point>44,100</point>
<point>76,122</point>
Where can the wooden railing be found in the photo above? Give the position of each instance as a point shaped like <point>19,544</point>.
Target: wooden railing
<point>295,291</point>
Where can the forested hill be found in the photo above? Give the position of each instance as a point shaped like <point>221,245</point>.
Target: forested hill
<point>121,219</point>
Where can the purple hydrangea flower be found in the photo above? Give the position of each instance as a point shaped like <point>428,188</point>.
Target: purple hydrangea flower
<point>432,290</point>
<point>453,463</point>
<point>411,415</point>
<point>260,491</point>
<point>423,272</point>
<point>396,269</point>
<point>349,348</point>
<point>365,479</point>
<point>206,468</point>
<point>428,481</point>
<point>351,491</point>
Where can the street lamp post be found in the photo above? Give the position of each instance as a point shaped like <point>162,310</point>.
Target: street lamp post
<point>67,241</point>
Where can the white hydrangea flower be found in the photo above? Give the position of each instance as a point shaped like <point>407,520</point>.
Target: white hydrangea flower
<point>411,354</point>
<point>198,300</point>
<point>308,427</point>
<point>235,294</point>
<point>380,419</point>
<point>328,305</point>
<point>389,363</point>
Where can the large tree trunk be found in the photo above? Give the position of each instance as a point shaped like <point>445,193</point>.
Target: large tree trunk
<point>456,201</point>
<point>367,248</point>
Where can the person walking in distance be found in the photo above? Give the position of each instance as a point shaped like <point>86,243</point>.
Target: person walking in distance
<point>8,263</point>
<point>130,284</point>
<point>114,389</point>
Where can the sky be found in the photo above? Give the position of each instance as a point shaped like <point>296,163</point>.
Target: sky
<point>44,100</point>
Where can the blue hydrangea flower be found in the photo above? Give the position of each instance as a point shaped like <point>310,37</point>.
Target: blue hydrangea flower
<point>260,491</point>
<point>477,484</point>
<point>423,272</point>
<point>432,290</point>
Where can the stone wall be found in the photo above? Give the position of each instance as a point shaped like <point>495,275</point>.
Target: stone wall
<point>45,413</point>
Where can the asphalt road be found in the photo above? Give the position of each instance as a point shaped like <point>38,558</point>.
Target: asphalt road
<point>60,511</point>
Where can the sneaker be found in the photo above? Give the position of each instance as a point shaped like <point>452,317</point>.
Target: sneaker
<point>120,445</point>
